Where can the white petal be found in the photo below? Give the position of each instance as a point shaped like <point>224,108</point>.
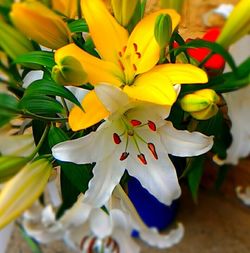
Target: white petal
<point>100,223</point>
<point>153,238</point>
<point>107,174</point>
<point>91,148</point>
<point>5,235</point>
<point>243,196</point>
<point>19,145</point>
<point>158,176</point>
<point>54,194</point>
<point>184,143</point>
<point>31,77</point>
<point>112,97</point>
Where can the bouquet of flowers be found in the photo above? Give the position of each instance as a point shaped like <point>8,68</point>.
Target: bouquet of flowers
<point>94,93</point>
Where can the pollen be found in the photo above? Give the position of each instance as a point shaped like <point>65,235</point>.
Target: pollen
<point>124,155</point>
<point>116,138</point>
<point>135,122</point>
<point>142,158</point>
<point>151,147</point>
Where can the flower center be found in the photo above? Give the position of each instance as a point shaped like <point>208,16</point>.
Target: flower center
<point>132,133</point>
<point>127,63</point>
<point>92,244</point>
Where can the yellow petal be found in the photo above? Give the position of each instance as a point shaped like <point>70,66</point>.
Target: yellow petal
<point>97,70</point>
<point>108,35</point>
<point>152,87</point>
<point>144,39</point>
<point>40,24</point>
<point>182,73</point>
<point>94,112</point>
<point>23,189</point>
<point>66,7</point>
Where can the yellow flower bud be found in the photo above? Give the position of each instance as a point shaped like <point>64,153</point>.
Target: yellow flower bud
<point>201,104</point>
<point>23,189</point>
<point>69,71</point>
<point>237,25</point>
<point>10,165</point>
<point>123,10</point>
<point>41,24</point>
<point>13,42</point>
<point>163,30</point>
<point>66,7</point>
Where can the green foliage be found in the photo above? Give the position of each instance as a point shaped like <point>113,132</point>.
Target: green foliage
<point>78,26</point>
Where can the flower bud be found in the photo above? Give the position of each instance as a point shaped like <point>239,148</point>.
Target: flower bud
<point>201,104</point>
<point>66,7</point>
<point>69,71</point>
<point>237,25</point>
<point>123,10</point>
<point>163,30</point>
<point>172,4</point>
<point>13,42</point>
<point>41,24</point>
<point>23,189</point>
<point>10,165</point>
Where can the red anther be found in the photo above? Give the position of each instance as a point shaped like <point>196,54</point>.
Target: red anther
<point>152,125</point>
<point>91,245</point>
<point>135,47</point>
<point>120,53</point>
<point>135,122</point>
<point>108,242</point>
<point>142,158</point>
<point>151,147</point>
<point>84,239</point>
<point>139,55</point>
<point>121,65</point>
<point>124,156</point>
<point>116,138</point>
<point>124,49</point>
<point>134,67</point>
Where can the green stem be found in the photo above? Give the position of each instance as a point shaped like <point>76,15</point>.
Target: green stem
<point>205,59</point>
<point>40,142</point>
<point>35,116</point>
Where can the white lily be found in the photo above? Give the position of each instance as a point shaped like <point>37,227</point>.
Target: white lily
<point>93,230</point>
<point>134,137</point>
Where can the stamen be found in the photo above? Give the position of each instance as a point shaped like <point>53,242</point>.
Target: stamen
<point>135,47</point>
<point>151,147</point>
<point>138,54</point>
<point>134,67</point>
<point>116,138</point>
<point>124,156</point>
<point>152,125</point>
<point>142,158</point>
<point>91,245</point>
<point>84,239</point>
<point>121,65</point>
<point>135,122</point>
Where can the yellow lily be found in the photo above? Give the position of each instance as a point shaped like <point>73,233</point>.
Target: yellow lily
<point>66,7</point>
<point>127,61</point>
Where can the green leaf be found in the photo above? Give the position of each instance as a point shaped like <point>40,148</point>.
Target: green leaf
<point>195,169</point>
<point>78,26</point>
<point>42,58</point>
<point>56,135</point>
<point>40,104</point>
<point>221,176</point>
<point>214,47</point>
<point>8,102</point>
<point>50,88</point>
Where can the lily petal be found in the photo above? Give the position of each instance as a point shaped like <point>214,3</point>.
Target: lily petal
<point>154,87</point>
<point>181,73</point>
<point>108,35</point>
<point>144,39</point>
<point>184,143</point>
<point>162,241</point>
<point>100,223</point>
<point>107,174</point>
<point>158,176</point>
<point>85,149</point>
<point>94,112</point>
<point>5,235</point>
<point>112,97</point>
<point>107,71</point>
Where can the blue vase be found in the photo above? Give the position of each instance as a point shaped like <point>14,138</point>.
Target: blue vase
<point>151,211</point>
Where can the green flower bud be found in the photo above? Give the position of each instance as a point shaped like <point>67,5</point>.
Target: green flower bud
<point>123,10</point>
<point>201,104</point>
<point>172,4</point>
<point>13,42</point>
<point>237,25</point>
<point>163,30</point>
<point>23,189</point>
<point>10,165</point>
<point>69,71</point>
